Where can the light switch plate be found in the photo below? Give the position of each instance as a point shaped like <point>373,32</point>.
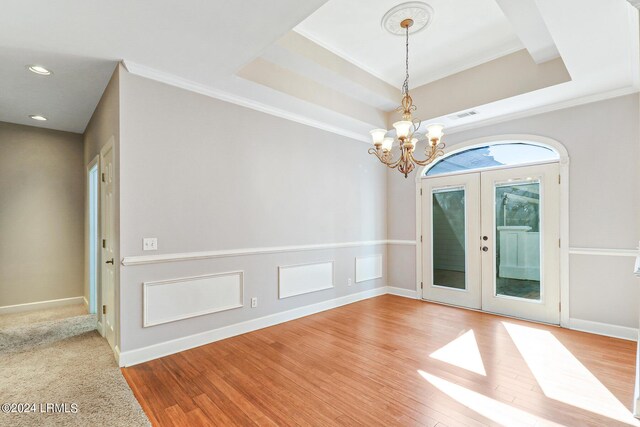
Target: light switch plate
<point>150,244</point>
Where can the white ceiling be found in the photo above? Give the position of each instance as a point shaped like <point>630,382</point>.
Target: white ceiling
<point>603,63</point>
<point>201,45</point>
<point>462,34</point>
<point>66,98</point>
<point>203,41</point>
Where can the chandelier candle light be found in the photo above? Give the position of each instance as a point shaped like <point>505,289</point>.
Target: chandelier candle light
<point>406,130</point>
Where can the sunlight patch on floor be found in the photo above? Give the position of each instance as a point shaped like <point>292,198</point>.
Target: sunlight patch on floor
<point>562,377</point>
<point>462,352</point>
<point>492,409</point>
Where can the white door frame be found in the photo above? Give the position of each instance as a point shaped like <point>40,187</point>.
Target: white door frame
<point>94,297</point>
<point>564,205</point>
<point>110,145</point>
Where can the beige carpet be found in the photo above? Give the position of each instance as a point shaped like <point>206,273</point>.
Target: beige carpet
<point>31,317</point>
<point>49,357</point>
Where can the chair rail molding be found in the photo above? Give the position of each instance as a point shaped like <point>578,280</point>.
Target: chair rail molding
<point>189,256</point>
<point>604,252</point>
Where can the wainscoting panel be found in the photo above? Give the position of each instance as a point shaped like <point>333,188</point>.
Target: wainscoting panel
<point>301,279</point>
<point>170,300</point>
<point>368,268</point>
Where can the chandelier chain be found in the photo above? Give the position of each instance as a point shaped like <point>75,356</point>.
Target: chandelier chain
<point>405,85</point>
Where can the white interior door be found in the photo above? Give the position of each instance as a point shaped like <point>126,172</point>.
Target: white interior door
<point>108,253</point>
<point>450,236</point>
<point>521,250</point>
<point>490,241</point>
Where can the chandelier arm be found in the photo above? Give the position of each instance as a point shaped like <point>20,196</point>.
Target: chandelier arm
<point>377,153</point>
<point>435,152</point>
<point>385,158</point>
<point>419,162</point>
<point>416,125</point>
<point>396,163</point>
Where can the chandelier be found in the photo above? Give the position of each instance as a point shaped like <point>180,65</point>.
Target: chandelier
<point>407,130</point>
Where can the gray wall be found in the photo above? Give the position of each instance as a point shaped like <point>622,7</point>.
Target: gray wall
<point>41,214</point>
<point>104,124</point>
<point>203,175</point>
<point>603,141</point>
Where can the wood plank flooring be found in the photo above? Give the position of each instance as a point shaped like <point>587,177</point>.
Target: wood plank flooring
<point>370,363</point>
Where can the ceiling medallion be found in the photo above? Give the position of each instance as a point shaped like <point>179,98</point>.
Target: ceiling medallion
<point>406,129</point>
<point>421,14</point>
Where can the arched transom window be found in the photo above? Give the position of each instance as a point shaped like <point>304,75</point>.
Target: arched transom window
<point>505,153</point>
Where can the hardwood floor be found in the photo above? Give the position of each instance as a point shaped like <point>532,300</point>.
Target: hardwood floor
<point>375,363</point>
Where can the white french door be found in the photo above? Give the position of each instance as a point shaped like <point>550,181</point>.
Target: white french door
<point>491,241</point>
<point>451,209</point>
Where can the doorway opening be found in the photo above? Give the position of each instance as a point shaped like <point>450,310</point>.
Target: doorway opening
<point>94,251</point>
<point>490,230</point>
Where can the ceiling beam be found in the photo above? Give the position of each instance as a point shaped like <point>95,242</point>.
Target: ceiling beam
<point>528,24</point>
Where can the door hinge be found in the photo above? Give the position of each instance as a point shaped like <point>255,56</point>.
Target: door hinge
<point>420,239</point>
<point>559,306</point>
<point>559,243</point>
<point>104,309</point>
<point>104,243</point>
<point>559,178</point>
<point>421,191</point>
<point>421,285</point>
<point>102,177</point>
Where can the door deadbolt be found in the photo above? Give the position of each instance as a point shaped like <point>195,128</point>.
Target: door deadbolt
<point>485,238</point>
<point>485,249</point>
<point>109,262</point>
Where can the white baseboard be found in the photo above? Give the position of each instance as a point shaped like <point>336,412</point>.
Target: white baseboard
<point>606,329</point>
<point>40,305</point>
<point>99,328</point>
<point>402,292</point>
<point>144,354</point>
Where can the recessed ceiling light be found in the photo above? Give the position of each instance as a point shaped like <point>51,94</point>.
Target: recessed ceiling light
<point>38,117</point>
<point>39,69</point>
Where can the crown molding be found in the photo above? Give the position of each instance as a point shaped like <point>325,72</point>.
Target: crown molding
<point>615,93</point>
<point>173,80</point>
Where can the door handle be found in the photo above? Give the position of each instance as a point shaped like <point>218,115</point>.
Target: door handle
<point>485,238</point>
<point>109,262</point>
<point>485,249</point>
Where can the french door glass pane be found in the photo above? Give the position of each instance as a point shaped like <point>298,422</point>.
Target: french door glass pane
<point>518,240</point>
<point>449,238</point>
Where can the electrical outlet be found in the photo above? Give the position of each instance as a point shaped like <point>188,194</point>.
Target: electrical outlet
<point>150,244</point>
<point>349,281</point>
<point>254,302</point>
